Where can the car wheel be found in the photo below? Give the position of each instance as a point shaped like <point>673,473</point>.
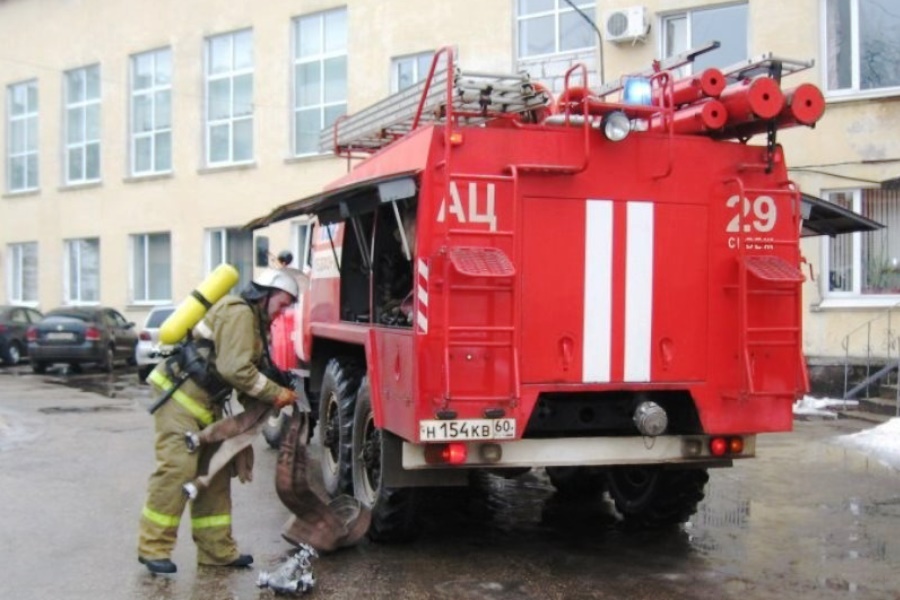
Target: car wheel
<point>13,354</point>
<point>144,372</point>
<point>38,367</point>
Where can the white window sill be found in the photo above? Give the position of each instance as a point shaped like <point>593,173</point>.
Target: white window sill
<point>23,193</point>
<point>856,302</point>
<point>148,177</point>
<point>226,167</point>
<point>855,96</point>
<point>81,185</point>
<point>302,158</point>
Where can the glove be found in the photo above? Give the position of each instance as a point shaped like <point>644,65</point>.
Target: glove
<point>285,397</point>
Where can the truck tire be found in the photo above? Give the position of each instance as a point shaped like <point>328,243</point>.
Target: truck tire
<point>336,401</point>
<point>654,498</point>
<point>393,509</point>
<point>577,482</point>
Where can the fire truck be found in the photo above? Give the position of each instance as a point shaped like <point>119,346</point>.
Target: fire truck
<point>604,283</point>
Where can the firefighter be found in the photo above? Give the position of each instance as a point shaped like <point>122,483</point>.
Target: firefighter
<point>232,335</point>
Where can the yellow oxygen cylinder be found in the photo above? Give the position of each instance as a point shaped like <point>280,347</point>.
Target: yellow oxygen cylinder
<point>192,308</point>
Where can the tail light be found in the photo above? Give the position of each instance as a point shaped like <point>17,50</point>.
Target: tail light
<point>31,335</point>
<point>2,328</point>
<point>448,454</point>
<point>720,446</point>
<point>92,334</point>
<point>145,336</point>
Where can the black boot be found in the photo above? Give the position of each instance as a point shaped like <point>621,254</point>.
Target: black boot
<point>160,565</point>
<point>244,560</point>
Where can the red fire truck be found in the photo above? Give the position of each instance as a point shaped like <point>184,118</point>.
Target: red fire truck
<point>604,283</point>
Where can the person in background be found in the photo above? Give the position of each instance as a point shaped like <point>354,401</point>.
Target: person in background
<point>285,258</point>
<point>233,337</point>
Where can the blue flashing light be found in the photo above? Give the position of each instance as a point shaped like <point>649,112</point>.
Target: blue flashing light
<point>637,91</point>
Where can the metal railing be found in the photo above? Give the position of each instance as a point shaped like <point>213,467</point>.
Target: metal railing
<point>891,356</point>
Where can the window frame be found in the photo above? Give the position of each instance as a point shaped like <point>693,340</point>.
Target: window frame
<point>84,105</point>
<point>68,298</point>
<point>302,243</point>
<point>853,297</point>
<point>146,299</point>
<point>225,236</point>
<point>151,92</point>
<point>320,58</point>
<point>418,76</point>
<point>854,92</point>
<point>30,114</point>
<point>556,12</point>
<point>687,14</point>
<point>231,75</point>
<point>15,269</point>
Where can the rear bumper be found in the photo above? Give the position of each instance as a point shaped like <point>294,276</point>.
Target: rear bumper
<point>683,450</point>
<point>86,352</point>
<point>146,354</point>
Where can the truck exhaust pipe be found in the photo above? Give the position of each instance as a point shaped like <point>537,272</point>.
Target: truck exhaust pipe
<point>650,418</point>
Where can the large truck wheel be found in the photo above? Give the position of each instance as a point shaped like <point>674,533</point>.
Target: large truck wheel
<point>336,401</point>
<point>577,482</point>
<point>654,498</point>
<point>393,509</point>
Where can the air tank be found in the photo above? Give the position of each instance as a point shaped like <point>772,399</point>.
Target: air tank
<point>192,308</point>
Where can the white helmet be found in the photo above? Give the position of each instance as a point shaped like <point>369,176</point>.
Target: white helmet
<point>278,280</point>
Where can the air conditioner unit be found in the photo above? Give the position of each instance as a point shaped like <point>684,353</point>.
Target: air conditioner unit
<point>626,24</point>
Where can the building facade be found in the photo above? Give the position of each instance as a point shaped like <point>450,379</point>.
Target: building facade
<point>140,137</point>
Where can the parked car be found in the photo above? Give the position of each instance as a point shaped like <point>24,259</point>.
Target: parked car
<point>81,334</point>
<point>14,323</point>
<point>146,353</point>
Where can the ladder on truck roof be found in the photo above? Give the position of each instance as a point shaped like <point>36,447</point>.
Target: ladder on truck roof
<point>475,97</point>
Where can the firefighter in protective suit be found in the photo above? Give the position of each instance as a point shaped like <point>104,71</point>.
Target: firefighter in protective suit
<point>233,333</point>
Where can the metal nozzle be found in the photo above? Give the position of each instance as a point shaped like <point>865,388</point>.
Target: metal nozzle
<point>190,490</point>
<point>192,441</point>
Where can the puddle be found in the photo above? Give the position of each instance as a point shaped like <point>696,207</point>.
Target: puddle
<point>52,410</point>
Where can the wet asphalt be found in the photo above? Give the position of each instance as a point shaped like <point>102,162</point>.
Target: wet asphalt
<point>806,519</point>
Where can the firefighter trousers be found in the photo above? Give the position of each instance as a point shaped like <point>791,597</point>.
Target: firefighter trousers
<point>175,466</point>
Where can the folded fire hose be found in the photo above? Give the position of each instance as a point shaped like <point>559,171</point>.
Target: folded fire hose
<point>325,526</point>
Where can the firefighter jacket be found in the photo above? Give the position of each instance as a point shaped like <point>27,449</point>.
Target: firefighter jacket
<point>235,328</point>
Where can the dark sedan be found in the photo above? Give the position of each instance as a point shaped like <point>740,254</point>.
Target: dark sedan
<point>14,324</point>
<point>77,335</point>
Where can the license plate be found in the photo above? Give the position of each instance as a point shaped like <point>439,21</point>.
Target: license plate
<point>60,335</point>
<point>467,429</point>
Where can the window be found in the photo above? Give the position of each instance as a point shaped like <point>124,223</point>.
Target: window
<point>407,70</point>
<point>302,244</point>
<point>81,277</point>
<point>151,112</point>
<point>151,267</point>
<point>725,24</point>
<point>865,264</point>
<point>553,26</point>
<point>320,76</point>
<point>22,137</point>
<point>23,273</point>
<point>233,246</point>
<point>82,99</point>
<point>862,51</point>
<point>229,98</point>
